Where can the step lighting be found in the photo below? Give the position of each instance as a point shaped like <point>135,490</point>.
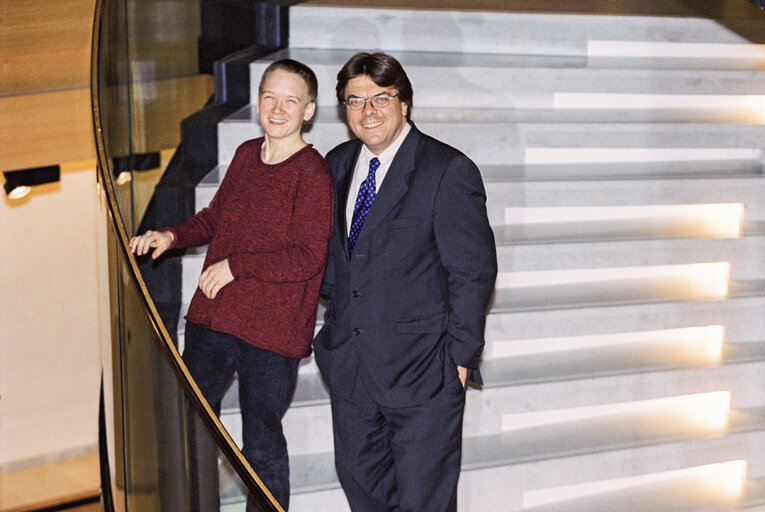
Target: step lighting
<point>754,104</point>
<point>543,155</point>
<point>710,219</point>
<point>702,411</point>
<point>702,343</point>
<point>694,280</point>
<point>709,484</point>
<point>727,51</point>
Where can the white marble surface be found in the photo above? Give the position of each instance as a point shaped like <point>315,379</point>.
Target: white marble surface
<point>487,83</point>
<point>489,32</point>
<point>529,81</point>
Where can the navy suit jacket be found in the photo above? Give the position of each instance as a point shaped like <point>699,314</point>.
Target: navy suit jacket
<point>410,304</point>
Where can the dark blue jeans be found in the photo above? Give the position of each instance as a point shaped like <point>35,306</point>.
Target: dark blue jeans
<point>266,385</point>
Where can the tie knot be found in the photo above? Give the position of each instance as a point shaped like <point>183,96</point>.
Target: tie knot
<point>373,165</point>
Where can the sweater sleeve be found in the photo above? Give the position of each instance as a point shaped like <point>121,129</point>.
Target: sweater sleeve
<point>200,228</point>
<point>305,253</point>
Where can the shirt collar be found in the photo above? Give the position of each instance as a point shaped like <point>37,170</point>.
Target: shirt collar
<point>387,156</point>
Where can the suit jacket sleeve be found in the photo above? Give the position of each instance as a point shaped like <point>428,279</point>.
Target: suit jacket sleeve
<point>466,248</point>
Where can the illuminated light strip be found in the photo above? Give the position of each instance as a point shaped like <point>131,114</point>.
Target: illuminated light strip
<point>605,48</point>
<point>721,219</point>
<point>702,410</point>
<point>706,341</point>
<point>704,279</point>
<point>567,100</point>
<point>613,155</point>
<point>723,480</point>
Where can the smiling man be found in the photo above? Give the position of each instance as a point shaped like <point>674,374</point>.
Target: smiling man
<point>410,273</point>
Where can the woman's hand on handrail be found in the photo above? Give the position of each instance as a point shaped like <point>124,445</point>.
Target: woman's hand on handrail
<point>160,241</point>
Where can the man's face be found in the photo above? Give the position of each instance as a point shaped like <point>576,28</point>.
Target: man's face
<point>375,127</point>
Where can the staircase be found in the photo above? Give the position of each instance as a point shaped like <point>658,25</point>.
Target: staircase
<point>623,161</point>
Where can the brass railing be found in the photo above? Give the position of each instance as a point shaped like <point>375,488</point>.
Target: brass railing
<point>163,448</point>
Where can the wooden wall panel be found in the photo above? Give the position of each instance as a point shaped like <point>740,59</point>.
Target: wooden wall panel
<point>45,129</point>
<point>44,45</point>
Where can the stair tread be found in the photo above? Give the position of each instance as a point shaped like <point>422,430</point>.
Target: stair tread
<point>312,472</point>
<point>613,171</point>
<point>609,231</point>
<point>681,494</point>
<point>537,117</point>
<point>604,361</point>
<point>702,169</point>
<point>568,365</point>
<point>608,294</point>
<point>316,57</point>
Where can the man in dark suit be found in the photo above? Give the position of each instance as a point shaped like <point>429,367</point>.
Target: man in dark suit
<point>411,269</point>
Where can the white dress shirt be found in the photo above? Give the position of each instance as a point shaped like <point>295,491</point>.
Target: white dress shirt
<point>361,171</point>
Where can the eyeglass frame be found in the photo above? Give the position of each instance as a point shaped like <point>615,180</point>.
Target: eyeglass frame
<point>371,101</point>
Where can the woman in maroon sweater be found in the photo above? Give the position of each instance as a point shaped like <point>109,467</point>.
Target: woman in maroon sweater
<point>255,308</point>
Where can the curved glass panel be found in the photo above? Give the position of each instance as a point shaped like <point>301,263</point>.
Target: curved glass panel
<point>165,447</point>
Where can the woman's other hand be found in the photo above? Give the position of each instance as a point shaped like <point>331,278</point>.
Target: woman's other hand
<point>160,241</point>
<point>215,277</point>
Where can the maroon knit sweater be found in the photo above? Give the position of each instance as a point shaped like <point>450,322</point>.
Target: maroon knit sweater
<point>273,223</point>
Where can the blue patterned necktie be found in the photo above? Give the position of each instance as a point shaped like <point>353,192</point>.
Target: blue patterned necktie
<point>363,203</point>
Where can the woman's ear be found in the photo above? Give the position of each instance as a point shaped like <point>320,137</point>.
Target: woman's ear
<point>310,109</point>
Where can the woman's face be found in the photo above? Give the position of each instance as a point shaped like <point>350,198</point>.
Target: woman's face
<point>283,104</point>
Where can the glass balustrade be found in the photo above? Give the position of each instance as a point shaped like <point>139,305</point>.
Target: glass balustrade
<point>163,449</point>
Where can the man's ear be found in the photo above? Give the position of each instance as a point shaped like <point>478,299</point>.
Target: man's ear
<point>310,109</point>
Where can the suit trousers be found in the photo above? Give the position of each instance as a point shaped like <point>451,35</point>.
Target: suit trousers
<point>266,385</point>
<point>399,459</point>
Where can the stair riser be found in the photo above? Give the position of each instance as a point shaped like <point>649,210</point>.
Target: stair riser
<point>468,32</point>
<point>506,143</point>
<point>309,429</point>
<point>478,487</point>
<point>486,86</point>
<point>742,318</point>
<point>747,191</point>
<point>744,256</point>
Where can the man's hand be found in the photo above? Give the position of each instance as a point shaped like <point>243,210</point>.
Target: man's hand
<point>160,241</point>
<point>215,277</point>
<point>463,373</point>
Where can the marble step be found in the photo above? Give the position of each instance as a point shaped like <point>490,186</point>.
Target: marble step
<point>523,177</point>
<point>561,259</point>
<point>587,451</point>
<point>559,313</point>
<point>530,314</point>
<point>495,139</point>
<point>609,308</point>
<point>517,389</point>
<point>571,172</point>
<point>689,493</point>
<point>407,29</point>
<point>649,200</point>
<point>527,81</point>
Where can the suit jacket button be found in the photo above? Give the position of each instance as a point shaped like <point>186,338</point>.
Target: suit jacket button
<point>356,331</point>
<point>355,293</point>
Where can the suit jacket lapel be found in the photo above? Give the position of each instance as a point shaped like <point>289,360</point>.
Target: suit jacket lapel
<point>395,184</point>
<point>342,182</point>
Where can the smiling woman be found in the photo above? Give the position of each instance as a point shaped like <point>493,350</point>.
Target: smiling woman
<point>253,312</point>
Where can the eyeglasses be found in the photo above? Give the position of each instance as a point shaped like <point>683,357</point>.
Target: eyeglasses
<point>380,101</point>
